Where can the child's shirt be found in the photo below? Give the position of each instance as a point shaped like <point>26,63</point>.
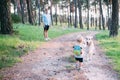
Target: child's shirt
<point>77,51</point>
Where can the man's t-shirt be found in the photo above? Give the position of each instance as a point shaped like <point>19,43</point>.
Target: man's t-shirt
<point>46,19</point>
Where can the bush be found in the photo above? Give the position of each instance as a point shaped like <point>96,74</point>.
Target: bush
<point>15,18</point>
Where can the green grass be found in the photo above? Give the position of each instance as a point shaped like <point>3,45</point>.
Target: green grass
<point>111,47</point>
<point>26,38</point>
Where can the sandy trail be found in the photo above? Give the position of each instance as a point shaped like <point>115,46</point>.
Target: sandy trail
<point>51,62</point>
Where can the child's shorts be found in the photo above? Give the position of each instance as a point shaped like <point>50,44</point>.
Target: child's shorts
<point>79,59</point>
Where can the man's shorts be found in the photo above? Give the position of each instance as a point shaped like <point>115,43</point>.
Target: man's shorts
<point>79,59</point>
<point>46,27</point>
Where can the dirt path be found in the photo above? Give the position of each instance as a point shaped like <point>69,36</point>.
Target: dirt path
<point>51,62</point>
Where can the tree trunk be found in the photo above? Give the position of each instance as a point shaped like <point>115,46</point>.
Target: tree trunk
<point>75,24</point>
<point>88,7</point>
<point>95,17</point>
<point>51,12</point>
<point>80,14</point>
<point>70,13</point>
<point>100,22</point>
<point>22,10</point>
<point>56,14</point>
<point>101,15</point>
<point>5,18</point>
<point>18,7</point>
<point>109,15</point>
<point>30,15</point>
<point>115,18</point>
<point>39,13</point>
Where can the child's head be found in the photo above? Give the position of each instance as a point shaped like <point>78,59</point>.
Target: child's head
<point>80,40</point>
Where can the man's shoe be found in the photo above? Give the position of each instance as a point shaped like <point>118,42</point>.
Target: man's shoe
<point>46,39</point>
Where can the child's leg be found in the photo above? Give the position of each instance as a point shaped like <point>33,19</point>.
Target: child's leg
<point>80,64</point>
<point>77,64</point>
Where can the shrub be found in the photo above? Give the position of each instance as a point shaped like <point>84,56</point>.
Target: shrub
<point>15,18</point>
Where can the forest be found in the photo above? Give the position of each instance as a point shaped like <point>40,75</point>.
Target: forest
<point>30,11</point>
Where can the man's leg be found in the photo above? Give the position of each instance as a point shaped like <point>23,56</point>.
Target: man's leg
<point>46,33</point>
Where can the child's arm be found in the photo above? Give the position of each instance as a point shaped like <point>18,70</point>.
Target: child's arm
<point>81,51</point>
<point>73,47</point>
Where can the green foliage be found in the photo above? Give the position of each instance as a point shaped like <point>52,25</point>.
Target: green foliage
<point>111,47</point>
<point>15,18</point>
<point>27,38</point>
<point>11,48</point>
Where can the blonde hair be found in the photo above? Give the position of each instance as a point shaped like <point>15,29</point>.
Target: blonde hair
<point>80,39</point>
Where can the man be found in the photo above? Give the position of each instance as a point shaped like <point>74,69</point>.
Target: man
<point>46,22</point>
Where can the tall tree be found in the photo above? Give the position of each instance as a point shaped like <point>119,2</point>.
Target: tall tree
<point>38,6</point>
<point>30,14</point>
<point>101,15</point>
<point>18,7</point>
<point>88,14</point>
<point>95,6</point>
<point>70,12</point>
<point>22,10</point>
<point>5,18</point>
<point>55,2</point>
<point>80,13</point>
<point>115,18</point>
<point>51,11</point>
<point>56,15</point>
<point>75,24</point>
<point>108,3</point>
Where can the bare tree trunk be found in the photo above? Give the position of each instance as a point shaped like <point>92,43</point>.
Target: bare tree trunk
<point>80,14</point>
<point>75,24</point>
<point>56,14</point>
<point>109,15</point>
<point>108,19</point>
<point>30,15</point>
<point>51,12</point>
<point>88,17</point>
<point>70,13</point>
<point>115,18</point>
<point>95,17</point>
<point>39,12</point>
<point>18,7</point>
<point>5,18</point>
<point>22,10</point>
<point>101,15</point>
<point>100,22</point>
